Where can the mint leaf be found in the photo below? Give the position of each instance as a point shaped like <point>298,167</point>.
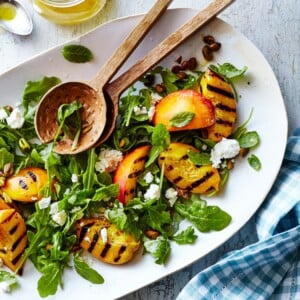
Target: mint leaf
<point>182,119</point>
<point>254,162</point>
<point>85,271</point>
<point>77,53</point>
<point>249,140</point>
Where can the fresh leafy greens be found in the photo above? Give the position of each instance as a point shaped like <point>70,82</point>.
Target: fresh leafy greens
<point>182,119</point>
<point>77,53</point>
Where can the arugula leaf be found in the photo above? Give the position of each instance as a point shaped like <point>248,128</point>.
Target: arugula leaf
<point>77,53</point>
<point>69,121</point>
<point>160,142</point>
<point>205,218</point>
<point>85,271</point>
<point>242,128</point>
<point>159,248</point>
<point>186,236</point>
<point>254,162</point>
<point>50,280</point>
<point>182,119</point>
<point>228,71</point>
<point>9,279</point>
<point>35,90</point>
<point>89,177</point>
<point>5,157</point>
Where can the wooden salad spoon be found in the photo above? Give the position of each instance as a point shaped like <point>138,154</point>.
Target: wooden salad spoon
<point>93,112</point>
<point>106,94</point>
<point>114,89</point>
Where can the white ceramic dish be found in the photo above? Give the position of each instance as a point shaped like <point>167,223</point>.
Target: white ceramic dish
<point>246,189</point>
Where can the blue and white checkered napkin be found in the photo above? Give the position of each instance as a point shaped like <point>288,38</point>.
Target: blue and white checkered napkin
<point>270,268</point>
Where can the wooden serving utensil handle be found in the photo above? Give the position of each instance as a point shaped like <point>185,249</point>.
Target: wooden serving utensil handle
<point>114,63</point>
<point>116,87</point>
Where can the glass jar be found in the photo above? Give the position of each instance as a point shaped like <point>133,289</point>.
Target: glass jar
<point>68,12</point>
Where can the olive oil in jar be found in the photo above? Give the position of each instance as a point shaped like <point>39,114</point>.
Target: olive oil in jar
<point>68,12</point>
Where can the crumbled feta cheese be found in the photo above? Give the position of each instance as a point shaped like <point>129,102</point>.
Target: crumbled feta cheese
<point>75,209</point>
<point>155,98</point>
<point>3,114</point>
<point>108,160</point>
<point>204,147</point>
<point>15,119</point>
<point>87,239</point>
<point>60,217</point>
<point>226,148</point>
<point>74,178</point>
<point>5,287</point>
<point>152,192</point>
<point>103,234</point>
<point>151,112</point>
<point>140,110</point>
<point>148,177</point>
<point>171,195</point>
<point>54,208</point>
<point>44,202</point>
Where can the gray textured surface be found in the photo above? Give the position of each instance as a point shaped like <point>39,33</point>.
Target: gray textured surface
<point>272,25</point>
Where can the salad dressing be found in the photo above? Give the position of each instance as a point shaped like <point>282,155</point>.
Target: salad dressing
<point>7,12</point>
<point>68,12</point>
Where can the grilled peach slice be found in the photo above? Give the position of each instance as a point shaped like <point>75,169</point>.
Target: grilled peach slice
<point>221,94</point>
<point>177,104</point>
<point>128,171</point>
<point>13,238</point>
<point>184,174</point>
<point>3,204</point>
<point>105,241</point>
<point>26,185</point>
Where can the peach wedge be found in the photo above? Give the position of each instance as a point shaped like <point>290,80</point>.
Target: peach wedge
<point>26,185</point>
<point>126,174</point>
<point>184,110</point>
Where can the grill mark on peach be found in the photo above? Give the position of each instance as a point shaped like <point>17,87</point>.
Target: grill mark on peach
<point>93,242</point>
<point>8,218</point>
<point>200,181</point>
<point>16,259</point>
<point>135,174</point>
<point>184,157</point>
<point>17,242</point>
<point>220,91</point>
<point>32,176</point>
<point>13,229</point>
<point>177,179</point>
<point>105,250</point>
<point>140,159</point>
<point>84,230</point>
<point>23,185</point>
<point>121,251</point>
<point>224,122</point>
<point>226,108</point>
<point>213,74</point>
